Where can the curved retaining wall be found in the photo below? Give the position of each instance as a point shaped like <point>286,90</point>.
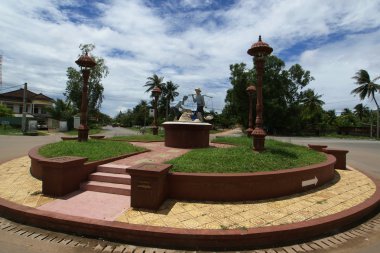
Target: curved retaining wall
<point>191,238</point>
<point>249,186</point>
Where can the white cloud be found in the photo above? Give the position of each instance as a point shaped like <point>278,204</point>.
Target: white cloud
<point>192,48</point>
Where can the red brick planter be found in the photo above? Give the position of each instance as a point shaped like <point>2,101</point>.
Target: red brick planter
<point>317,147</point>
<point>97,137</point>
<point>340,156</point>
<point>249,186</point>
<point>69,138</point>
<point>187,134</point>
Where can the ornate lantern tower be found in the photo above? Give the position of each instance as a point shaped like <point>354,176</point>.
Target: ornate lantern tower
<point>259,51</point>
<point>156,93</point>
<point>86,63</point>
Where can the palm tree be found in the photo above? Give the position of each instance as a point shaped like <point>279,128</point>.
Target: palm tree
<point>361,111</point>
<point>154,81</point>
<point>367,88</point>
<point>61,110</point>
<point>169,92</point>
<point>312,108</point>
<point>311,101</point>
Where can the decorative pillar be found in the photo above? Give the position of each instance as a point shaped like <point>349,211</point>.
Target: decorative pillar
<point>259,50</point>
<point>86,63</point>
<point>250,90</point>
<point>156,93</point>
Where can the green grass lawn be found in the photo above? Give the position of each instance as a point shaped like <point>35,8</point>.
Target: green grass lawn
<point>8,130</point>
<point>93,149</point>
<point>17,131</point>
<point>278,155</point>
<point>141,137</point>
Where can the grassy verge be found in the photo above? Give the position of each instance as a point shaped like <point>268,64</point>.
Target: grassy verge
<point>17,131</point>
<point>142,137</point>
<point>10,131</point>
<point>93,149</point>
<point>354,137</point>
<point>278,155</point>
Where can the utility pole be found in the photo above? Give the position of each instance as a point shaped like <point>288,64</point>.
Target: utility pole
<point>1,70</point>
<point>23,122</point>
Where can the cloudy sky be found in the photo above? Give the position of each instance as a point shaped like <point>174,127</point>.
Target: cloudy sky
<point>190,42</point>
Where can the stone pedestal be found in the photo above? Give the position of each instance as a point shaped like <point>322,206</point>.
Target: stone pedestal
<point>149,186</point>
<point>340,156</point>
<point>61,175</point>
<point>187,134</point>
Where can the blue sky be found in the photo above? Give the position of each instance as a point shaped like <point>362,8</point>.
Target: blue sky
<point>190,42</point>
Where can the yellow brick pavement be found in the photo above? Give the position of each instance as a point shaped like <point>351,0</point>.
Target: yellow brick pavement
<point>18,185</point>
<point>348,189</point>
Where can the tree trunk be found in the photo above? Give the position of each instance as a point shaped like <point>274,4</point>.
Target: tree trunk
<point>378,121</point>
<point>167,110</point>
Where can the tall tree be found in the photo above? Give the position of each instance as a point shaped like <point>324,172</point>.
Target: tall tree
<point>169,92</point>
<point>311,110</point>
<point>154,80</point>
<point>5,111</point>
<point>74,82</point>
<point>62,110</point>
<point>367,88</point>
<point>361,111</point>
<point>281,92</point>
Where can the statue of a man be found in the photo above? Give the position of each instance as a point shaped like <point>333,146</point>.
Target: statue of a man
<point>199,99</point>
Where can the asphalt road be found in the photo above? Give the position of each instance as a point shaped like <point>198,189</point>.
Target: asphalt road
<point>363,155</point>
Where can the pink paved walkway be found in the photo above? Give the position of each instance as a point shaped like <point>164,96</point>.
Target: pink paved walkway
<point>90,204</point>
<point>158,154</point>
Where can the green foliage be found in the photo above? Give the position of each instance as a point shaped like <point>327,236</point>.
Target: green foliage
<point>367,87</point>
<point>145,137</point>
<point>277,156</point>
<point>282,90</point>
<point>5,111</point>
<point>94,150</point>
<point>62,110</point>
<point>139,116</point>
<point>74,83</point>
<point>168,94</point>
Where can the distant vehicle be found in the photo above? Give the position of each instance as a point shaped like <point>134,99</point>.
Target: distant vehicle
<point>42,126</point>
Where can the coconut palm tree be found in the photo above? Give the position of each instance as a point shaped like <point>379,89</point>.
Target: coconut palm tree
<point>169,92</point>
<point>154,81</point>
<point>361,111</point>
<point>367,88</point>
<point>312,108</point>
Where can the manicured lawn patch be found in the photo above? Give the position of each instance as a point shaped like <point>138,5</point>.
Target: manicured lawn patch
<point>277,156</point>
<point>93,149</point>
<point>140,137</point>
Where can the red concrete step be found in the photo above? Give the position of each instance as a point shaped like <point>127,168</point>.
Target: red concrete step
<point>113,168</point>
<point>121,189</point>
<point>110,178</point>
